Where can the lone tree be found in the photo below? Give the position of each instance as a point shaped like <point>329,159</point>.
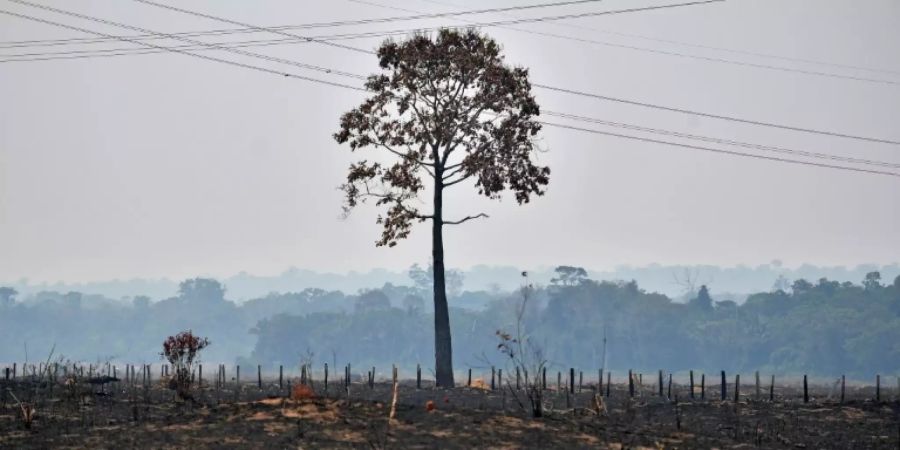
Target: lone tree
<point>444,110</point>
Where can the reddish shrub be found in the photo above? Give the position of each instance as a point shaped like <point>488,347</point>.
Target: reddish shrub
<point>302,392</point>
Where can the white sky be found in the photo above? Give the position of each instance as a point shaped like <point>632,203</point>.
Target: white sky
<point>167,165</point>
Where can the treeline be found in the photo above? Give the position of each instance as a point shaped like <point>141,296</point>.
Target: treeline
<point>824,327</point>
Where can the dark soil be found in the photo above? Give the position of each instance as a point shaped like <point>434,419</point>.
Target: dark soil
<point>249,417</point>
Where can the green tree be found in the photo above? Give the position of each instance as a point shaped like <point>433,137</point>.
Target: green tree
<point>569,275</point>
<point>703,301</point>
<point>450,110</point>
<point>872,282</point>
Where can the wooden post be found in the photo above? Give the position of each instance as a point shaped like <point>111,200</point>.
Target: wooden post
<point>372,379</point>
<point>877,388</point>
<point>259,376</point>
<point>660,384</point>
<point>517,377</point>
<point>238,375</point>
<point>692,384</point>
<point>572,380</point>
<point>326,378</point>
<point>493,374</point>
<point>669,391</point>
<point>394,385</point>
<point>805,390</point>
<point>200,375</point>
<point>469,383</point>
<point>608,382</point>
<point>580,380</point>
<point>724,387</point>
<point>737,388</point>
<point>418,376</point>
<point>558,381</point>
<point>843,385</point>
<point>702,386</point>
<point>757,385</point>
<point>280,376</point>
<point>630,384</point>
<point>500,378</point>
<point>544,379</point>
<point>600,381</point>
<point>772,389</point>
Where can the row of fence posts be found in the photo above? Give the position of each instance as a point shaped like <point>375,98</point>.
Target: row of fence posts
<point>496,379</point>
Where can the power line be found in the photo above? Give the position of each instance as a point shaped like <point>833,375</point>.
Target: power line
<point>783,150</point>
<point>556,89</point>
<point>500,24</point>
<point>208,58</point>
<point>713,116</point>
<point>503,25</point>
<point>51,42</point>
<point>214,46</point>
<point>682,43</point>
<point>715,150</point>
<point>565,90</point>
<point>248,66</point>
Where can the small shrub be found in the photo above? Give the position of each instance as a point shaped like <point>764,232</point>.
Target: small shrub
<point>182,351</point>
<point>302,392</point>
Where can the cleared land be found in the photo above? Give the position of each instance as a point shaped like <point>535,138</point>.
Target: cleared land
<point>125,416</point>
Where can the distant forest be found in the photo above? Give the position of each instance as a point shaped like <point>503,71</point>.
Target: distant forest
<point>818,327</point>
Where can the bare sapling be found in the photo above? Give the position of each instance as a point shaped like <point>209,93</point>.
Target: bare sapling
<point>526,357</point>
<point>35,391</point>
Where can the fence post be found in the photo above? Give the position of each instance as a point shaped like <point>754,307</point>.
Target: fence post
<point>737,387</point>
<point>493,374</point>
<point>469,383</point>
<point>702,386</point>
<point>669,391</point>
<point>544,379</point>
<point>805,390</point>
<point>600,381</point>
<point>724,387</point>
<point>200,375</point>
<point>660,384</point>
<point>326,378</point>
<point>572,380</point>
<point>692,385</point>
<point>843,385</point>
<point>238,375</point>
<point>517,378</point>
<point>418,376</point>
<point>772,389</point>
<point>558,381</point>
<point>630,384</point>
<point>580,380</point>
<point>877,388</point>
<point>608,382</point>
<point>757,385</point>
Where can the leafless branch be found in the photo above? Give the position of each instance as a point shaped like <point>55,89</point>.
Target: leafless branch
<point>465,219</point>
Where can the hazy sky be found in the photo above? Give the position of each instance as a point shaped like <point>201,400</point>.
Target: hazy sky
<point>168,165</point>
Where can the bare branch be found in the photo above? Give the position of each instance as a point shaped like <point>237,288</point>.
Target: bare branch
<point>465,219</point>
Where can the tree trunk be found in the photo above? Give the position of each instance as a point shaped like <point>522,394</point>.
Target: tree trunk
<point>442,347</point>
